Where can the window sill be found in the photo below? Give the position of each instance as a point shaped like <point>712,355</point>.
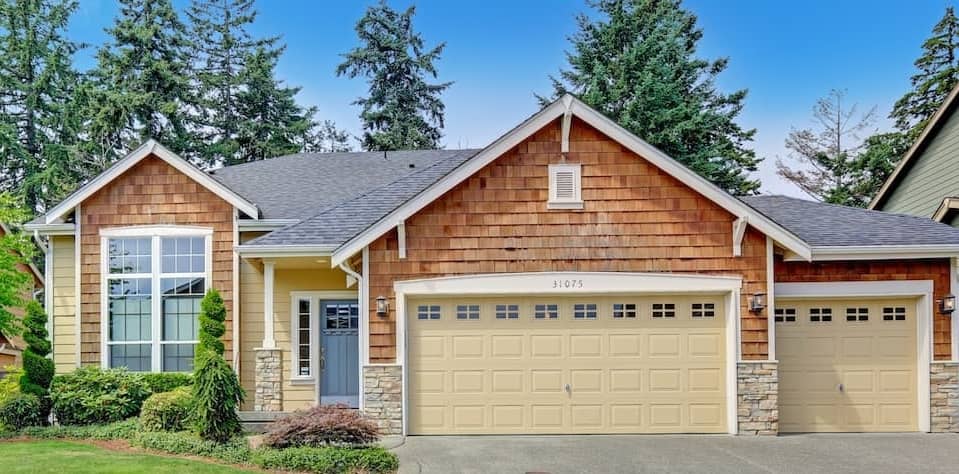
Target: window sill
<point>302,381</point>
<point>565,205</point>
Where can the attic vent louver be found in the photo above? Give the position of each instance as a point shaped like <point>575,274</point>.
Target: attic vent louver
<point>565,186</point>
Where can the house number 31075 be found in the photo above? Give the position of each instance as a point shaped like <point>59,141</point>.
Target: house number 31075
<point>567,283</point>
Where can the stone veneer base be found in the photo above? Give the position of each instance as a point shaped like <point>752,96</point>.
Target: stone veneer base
<point>944,397</point>
<point>758,398</point>
<point>269,380</point>
<point>383,396</point>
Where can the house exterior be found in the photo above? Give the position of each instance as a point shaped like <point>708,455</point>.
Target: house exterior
<point>11,346</point>
<point>567,278</point>
<point>924,183</point>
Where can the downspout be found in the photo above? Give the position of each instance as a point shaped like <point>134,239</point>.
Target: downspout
<point>349,271</point>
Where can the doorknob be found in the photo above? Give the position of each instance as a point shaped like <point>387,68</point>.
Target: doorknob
<point>322,358</point>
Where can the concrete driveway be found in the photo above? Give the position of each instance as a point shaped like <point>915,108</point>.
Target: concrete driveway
<point>871,453</point>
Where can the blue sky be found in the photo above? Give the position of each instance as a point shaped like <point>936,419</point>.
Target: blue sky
<point>499,53</point>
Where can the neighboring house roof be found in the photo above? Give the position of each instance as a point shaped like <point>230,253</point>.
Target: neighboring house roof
<point>298,186</point>
<point>928,133</point>
<point>834,229</point>
<point>946,207</point>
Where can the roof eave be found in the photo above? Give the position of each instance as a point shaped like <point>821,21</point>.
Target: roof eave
<point>877,252</point>
<point>274,251</point>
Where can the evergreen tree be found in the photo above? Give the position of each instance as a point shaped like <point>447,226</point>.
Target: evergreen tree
<point>37,368</point>
<point>938,74</point>
<point>39,125</point>
<point>638,65</point>
<point>880,155</point>
<point>271,123</point>
<point>832,164</point>
<point>15,250</point>
<point>402,110</point>
<point>326,138</point>
<point>142,78</point>
<point>216,388</point>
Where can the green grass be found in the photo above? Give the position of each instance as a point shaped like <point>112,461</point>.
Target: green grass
<point>62,457</point>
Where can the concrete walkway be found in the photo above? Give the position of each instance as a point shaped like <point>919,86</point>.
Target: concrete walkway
<point>822,453</point>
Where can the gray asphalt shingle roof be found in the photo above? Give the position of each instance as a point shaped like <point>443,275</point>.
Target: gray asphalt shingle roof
<point>820,224</point>
<point>341,222</point>
<point>299,186</point>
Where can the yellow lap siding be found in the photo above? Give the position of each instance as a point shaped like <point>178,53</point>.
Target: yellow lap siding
<point>64,304</point>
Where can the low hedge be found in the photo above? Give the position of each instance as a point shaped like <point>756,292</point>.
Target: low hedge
<point>121,430</point>
<point>91,395</point>
<point>160,382</point>
<point>330,460</point>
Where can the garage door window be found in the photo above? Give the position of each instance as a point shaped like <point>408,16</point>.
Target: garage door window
<point>624,310</point>
<point>467,311</point>
<point>897,313</point>
<point>785,315</point>
<point>857,314</point>
<point>704,310</point>
<point>546,311</point>
<point>428,312</point>
<point>507,311</point>
<point>664,310</point>
<point>584,311</point>
<point>820,315</point>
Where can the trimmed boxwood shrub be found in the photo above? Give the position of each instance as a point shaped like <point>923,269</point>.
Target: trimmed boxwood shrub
<point>21,410</point>
<point>160,382</point>
<point>92,395</point>
<point>168,411</point>
<point>320,426</point>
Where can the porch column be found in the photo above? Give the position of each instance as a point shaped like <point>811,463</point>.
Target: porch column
<point>269,359</point>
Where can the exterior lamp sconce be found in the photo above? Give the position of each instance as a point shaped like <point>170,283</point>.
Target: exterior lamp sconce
<point>382,306</point>
<point>757,302</point>
<point>947,304</point>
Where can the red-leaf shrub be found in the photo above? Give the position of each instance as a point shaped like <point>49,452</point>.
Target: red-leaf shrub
<point>322,425</point>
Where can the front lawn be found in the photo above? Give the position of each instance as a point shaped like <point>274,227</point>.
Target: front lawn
<point>64,456</point>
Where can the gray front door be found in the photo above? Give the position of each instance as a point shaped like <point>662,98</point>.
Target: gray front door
<point>339,352</point>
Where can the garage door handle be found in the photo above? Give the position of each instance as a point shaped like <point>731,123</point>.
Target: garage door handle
<point>841,388</point>
<point>568,389</point>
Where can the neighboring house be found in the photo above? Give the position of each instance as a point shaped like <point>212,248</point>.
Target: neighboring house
<point>567,278</point>
<point>925,183</point>
<point>11,347</point>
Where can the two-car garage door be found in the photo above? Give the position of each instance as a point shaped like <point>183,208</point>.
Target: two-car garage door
<point>625,364</point>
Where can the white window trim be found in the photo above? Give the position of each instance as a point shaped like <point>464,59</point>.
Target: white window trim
<point>315,297</point>
<point>155,232</point>
<point>576,202</point>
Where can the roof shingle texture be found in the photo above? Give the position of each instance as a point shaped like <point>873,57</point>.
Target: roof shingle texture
<point>341,222</point>
<point>299,186</point>
<point>820,224</point>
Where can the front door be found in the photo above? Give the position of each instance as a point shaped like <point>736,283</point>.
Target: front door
<point>339,360</point>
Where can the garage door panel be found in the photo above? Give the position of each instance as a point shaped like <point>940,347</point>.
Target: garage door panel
<point>628,375</point>
<point>854,373</point>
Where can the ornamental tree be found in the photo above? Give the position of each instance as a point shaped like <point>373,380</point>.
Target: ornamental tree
<point>216,387</point>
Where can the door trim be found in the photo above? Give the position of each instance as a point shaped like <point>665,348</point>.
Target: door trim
<point>922,289</point>
<point>316,297</point>
<point>582,283</point>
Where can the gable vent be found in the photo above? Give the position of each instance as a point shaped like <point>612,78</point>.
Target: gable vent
<point>565,186</point>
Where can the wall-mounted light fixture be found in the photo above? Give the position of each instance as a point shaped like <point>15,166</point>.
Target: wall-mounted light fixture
<point>757,302</point>
<point>382,306</point>
<point>947,304</point>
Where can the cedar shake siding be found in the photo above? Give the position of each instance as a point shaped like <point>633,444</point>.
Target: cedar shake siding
<point>150,193</point>
<point>636,218</point>
<point>936,270</point>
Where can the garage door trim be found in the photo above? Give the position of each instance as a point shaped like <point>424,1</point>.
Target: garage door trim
<point>922,289</point>
<point>578,283</point>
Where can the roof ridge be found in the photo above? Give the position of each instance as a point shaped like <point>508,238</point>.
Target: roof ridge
<point>330,153</point>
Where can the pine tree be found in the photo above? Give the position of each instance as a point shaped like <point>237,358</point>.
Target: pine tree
<point>402,110</point>
<point>938,74</point>
<point>39,125</point>
<point>15,250</point>
<point>637,64</point>
<point>37,368</point>
<point>831,165</point>
<point>880,155</point>
<point>327,138</point>
<point>216,388</point>
<point>142,77</point>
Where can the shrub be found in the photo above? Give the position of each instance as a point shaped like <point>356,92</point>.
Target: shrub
<point>127,429</point>
<point>216,388</point>
<point>327,460</point>
<point>20,411</point>
<point>322,425</point>
<point>91,395</point>
<point>234,450</point>
<point>167,411</point>
<point>37,368</point>
<point>160,382</point>
<point>10,383</point>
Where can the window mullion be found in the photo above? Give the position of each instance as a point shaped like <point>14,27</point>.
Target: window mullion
<point>156,304</point>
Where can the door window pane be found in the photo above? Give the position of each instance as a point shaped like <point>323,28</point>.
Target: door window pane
<point>343,315</point>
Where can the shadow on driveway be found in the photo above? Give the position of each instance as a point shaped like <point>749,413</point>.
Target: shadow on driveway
<point>812,453</point>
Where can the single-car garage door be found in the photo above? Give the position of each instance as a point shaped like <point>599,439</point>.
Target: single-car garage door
<point>847,366</point>
<point>626,364</point>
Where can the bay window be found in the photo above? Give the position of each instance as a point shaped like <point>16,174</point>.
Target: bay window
<point>154,280</point>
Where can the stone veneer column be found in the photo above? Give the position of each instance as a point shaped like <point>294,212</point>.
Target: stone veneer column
<point>383,396</point>
<point>758,387</point>
<point>944,397</point>
<point>269,380</point>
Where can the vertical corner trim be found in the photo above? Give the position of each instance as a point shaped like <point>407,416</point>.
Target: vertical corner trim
<point>269,337</point>
<point>401,237</point>
<point>739,231</point>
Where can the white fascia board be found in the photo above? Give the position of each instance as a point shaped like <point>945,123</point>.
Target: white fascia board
<point>857,289</point>
<point>945,206</point>
<point>269,251</point>
<point>151,147</point>
<point>558,108</point>
<point>264,225</point>
<point>878,252</point>
<point>57,228</point>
